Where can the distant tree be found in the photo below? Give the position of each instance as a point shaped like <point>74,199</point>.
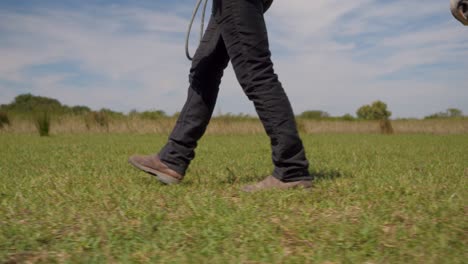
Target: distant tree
<point>153,114</point>
<point>437,115</point>
<point>110,113</point>
<point>347,117</point>
<point>365,112</point>
<point>454,112</point>
<point>376,111</point>
<point>32,103</point>
<point>150,114</point>
<point>314,114</point>
<point>449,113</point>
<point>80,109</point>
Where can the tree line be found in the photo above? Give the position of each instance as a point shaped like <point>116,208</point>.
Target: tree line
<point>26,104</point>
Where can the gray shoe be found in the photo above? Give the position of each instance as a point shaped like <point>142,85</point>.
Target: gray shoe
<point>154,166</point>
<point>271,182</point>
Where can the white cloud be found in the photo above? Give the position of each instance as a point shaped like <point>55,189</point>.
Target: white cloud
<point>377,39</point>
<point>100,45</point>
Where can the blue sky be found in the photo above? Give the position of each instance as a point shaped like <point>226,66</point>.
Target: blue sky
<point>330,55</point>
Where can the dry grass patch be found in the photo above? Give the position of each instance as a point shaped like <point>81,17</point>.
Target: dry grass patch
<point>100,123</point>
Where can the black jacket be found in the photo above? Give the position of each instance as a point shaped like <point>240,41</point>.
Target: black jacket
<point>267,4</point>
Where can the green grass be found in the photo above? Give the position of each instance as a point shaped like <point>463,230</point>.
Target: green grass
<point>377,199</point>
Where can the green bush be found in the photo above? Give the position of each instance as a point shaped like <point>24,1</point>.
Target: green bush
<point>449,113</point>
<point>376,111</point>
<point>4,120</point>
<point>28,103</point>
<point>386,127</point>
<point>79,110</point>
<point>111,114</point>
<point>100,119</point>
<point>153,115</point>
<point>347,117</point>
<point>42,121</point>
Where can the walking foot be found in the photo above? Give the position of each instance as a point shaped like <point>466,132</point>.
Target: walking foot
<point>154,166</point>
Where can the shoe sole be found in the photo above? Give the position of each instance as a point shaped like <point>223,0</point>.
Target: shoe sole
<point>162,177</point>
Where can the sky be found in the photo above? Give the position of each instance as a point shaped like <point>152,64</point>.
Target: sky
<point>330,55</point>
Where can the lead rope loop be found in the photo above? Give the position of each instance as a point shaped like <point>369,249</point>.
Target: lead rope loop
<point>187,37</point>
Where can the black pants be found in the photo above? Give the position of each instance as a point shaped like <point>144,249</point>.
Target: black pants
<point>237,32</point>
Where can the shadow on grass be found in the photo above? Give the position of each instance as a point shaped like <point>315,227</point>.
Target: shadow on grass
<point>318,175</point>
<point>330,174</point>
<point>233,178</point>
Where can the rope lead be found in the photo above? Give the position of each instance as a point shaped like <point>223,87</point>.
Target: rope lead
<point>187,37</point>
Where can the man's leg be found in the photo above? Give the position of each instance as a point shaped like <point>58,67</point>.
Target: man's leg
<point>208,64</point>
<point>245,36</point>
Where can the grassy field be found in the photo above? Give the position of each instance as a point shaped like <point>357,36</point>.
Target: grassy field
<point>377,199</point>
